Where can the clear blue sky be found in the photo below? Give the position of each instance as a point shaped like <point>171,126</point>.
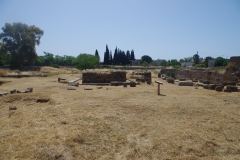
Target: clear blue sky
<point>164,29</point>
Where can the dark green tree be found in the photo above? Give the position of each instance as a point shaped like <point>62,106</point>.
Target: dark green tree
<point>132,55</point>
<point>163,63</point>
<point>19,40</point>
<point>96,53</point>
<point>110,58</point>
<point>106,56</point>
<point>146,58</point>
<point>219,61</point>
<point>196,59</point>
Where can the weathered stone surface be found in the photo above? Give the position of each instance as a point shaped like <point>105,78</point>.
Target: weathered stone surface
<point>71,88</point>
<point>232,88</point>
<point>13,91</point>
<point>88,89</point>
<point>170,80</point>
<point>132,84</point>
<point>184,83</point>
<point>12,108</point>
<point>71,83</point>
<point>219,88</point>
<point>92,77</point>
<point>232,83</point>
<point>30,89</point>
<point>42,100</point>
<point>3,93</point>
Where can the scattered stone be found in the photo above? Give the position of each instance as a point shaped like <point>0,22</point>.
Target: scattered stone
<point>182,79</point>
<point>3,94</point>
<point>183,83</point>
<point>73,83</point>
<point>29,90</point>
<point>13,91</point>
<point>124,84</point>
<point>71,88</point>
<point>219,88</point>
<point>195,80</point>
<point>99,87</point>
<point>232,88</point>
<point>229,83</point>
<point>132,84</point>
<point>42,100</point>
<point>13,108</point>
<point>206,86</point>
<point>170,80</point>
<point>88,89</point>
<point>163,78</point>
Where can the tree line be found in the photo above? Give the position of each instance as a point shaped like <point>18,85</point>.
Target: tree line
<point>119,57</point>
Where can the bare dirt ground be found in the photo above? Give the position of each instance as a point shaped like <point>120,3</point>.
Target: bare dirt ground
<point>116,122</point>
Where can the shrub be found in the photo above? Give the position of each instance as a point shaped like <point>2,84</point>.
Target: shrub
<point>55,66</point>
<point>167,73</point>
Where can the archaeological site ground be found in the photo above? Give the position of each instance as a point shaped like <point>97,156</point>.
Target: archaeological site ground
<point>43,117</point>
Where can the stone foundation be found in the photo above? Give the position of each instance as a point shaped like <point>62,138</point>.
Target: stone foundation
<point>92,77</point>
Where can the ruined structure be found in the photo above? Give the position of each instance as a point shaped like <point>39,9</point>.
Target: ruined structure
<point>92,77</point>
<point>236,60</point>
<point>204,76</point>
<point>146,77</point>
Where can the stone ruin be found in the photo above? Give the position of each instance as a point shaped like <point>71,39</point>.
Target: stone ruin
<point>202,75</point>
<point>146,77</point>
<point>93,77</point>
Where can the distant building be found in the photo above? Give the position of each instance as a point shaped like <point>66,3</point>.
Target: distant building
<point>211,62</point>
<point>186,64</point>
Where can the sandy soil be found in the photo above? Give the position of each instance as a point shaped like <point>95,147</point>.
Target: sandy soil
<point>116,122</point>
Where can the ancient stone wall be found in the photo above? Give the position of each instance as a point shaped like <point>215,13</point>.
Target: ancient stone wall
<point>235,60</point>
<point>92,77</point>
<point>211,77</point>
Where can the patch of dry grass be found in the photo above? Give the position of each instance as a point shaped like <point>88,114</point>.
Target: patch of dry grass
<point>2,72</point>
<point>118,122</point>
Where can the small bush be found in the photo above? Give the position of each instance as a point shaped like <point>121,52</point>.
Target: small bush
<point>167,73</point>
<point>55,66</point>
<point>2,72</point>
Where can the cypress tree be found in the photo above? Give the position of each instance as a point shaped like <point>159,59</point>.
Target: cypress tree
<point>106,56</point>
<point>96,53</point>
<point>132,55</point>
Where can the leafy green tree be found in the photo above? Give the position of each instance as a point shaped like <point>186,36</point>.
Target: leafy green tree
<point>219,61</point>
<point>163,63</point>
<point>48,58</point>
<point>146,58</point>
<point>196,59</point>
<point>86,61</point>
<point>19,40</point>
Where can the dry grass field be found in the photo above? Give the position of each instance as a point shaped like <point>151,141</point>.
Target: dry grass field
<point>116,122</point>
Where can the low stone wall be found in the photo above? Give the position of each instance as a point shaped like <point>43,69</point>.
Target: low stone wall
<point>208,76</point>
<point>92,77</point>
<point>236,60</point>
